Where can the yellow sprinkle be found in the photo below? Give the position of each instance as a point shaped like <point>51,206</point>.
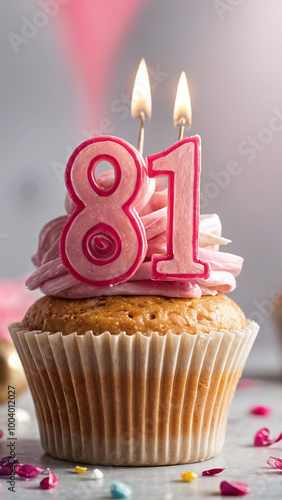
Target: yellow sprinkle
<point>80,470</point>
<point>189,476</point>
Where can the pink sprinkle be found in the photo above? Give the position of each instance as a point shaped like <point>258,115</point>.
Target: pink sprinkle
<point>275,462</point>
<point>5,471</point>
<point>260,410</point>
<point>5,460</point>
<point>212,472</point>
<point>1,433</point>
<point>27,471</point>
<point>6,465</point>
<point>234,488</point>
<point>49,482</point>
<point>262,438</point>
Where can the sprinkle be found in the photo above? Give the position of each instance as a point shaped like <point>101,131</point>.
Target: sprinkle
<point>6,464</point>
<point>97,474</point>
<point>80,470</point>
<point>189,476</point>
<point>28,471</point>
<point>262,438</point>
<point>49,482</point>
<point>234,488</point>
<point>5,471</point>
<point>8,460</point>
<point>212,472</point>
<point>275,462</point>
<point>260,410</point>
<point>1,433</point>
<point>120,490</point>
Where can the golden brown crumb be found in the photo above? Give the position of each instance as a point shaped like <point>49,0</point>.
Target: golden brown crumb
<point>132,314</point>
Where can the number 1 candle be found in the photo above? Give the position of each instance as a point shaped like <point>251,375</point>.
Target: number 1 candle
<point>181,164</point>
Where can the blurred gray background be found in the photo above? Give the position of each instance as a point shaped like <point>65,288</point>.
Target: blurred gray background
<point>231,52</point>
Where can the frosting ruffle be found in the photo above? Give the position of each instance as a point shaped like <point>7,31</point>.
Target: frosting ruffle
<point>53,278</point>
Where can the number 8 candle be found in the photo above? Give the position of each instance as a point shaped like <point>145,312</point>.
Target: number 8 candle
<point>104,242</point>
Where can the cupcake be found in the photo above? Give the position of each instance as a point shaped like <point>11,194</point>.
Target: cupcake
<point>141,372</point>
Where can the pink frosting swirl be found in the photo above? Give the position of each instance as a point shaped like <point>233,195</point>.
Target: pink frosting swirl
<point>53,278</point>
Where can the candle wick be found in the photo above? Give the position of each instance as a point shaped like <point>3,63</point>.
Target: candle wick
<point>181,129</point>
<point>141,133</point>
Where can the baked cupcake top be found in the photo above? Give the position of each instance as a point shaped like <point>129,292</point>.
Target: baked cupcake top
<point>131,314</point>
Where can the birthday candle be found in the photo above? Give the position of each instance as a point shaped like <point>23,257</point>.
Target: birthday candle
<point>181,164</point>
<point>104,241</point>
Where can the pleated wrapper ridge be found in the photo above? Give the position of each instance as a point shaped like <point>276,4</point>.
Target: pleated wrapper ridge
<point>133,400</point>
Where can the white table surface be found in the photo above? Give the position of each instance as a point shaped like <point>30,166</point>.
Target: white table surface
<point>242,461</point>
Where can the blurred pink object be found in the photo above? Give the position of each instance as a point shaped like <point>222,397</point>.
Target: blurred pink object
<point>261,410</point>
<point>248,383</point>
<point>92,34</point>
<point>15,299</point>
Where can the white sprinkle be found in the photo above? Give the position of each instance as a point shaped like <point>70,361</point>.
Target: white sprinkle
<point>97,474</point>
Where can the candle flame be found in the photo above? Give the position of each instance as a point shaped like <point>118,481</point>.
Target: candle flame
<point>182,108</point>
<point>141,101</point>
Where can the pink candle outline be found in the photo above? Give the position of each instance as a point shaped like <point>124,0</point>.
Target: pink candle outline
<point>128,209</point>
<point>155,274</point>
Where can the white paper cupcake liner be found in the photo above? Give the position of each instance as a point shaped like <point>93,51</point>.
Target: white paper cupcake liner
<point>133,400</point>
